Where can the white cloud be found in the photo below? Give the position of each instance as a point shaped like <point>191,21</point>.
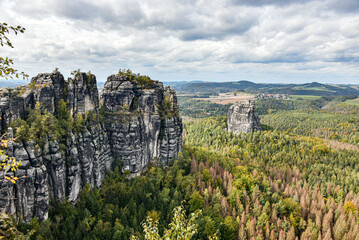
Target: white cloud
<point>185,39</point>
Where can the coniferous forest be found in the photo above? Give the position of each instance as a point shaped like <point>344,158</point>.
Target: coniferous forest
<point>297,179</point>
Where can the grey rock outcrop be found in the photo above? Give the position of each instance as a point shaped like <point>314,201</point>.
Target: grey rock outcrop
<point>83,93</point>
<point>48,89</point>
<point>138,125</point>
<point>242,117</point>
<point>12,107</point>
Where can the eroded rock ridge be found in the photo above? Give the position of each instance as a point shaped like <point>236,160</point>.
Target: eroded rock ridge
<point>128,125</point>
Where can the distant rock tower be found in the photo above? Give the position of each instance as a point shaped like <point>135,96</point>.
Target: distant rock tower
<point>242,117</point>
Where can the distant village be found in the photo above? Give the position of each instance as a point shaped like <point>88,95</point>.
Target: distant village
<point>272,96</point>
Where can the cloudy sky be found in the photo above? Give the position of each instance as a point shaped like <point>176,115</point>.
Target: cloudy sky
<point>213,40</point>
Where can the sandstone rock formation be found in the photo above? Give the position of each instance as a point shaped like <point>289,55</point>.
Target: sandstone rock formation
<point>133,125</point>
<point>242,117</point>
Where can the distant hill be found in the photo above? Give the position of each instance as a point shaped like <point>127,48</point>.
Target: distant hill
<point>313,88</point>
<point>12,83</point>
<point>178,84</point>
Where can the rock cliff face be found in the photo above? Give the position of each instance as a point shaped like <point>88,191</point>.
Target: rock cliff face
<point>128,125</point>
<point>242,117</point>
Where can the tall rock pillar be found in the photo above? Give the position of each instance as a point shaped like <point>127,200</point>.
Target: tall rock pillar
<point>242,117</point>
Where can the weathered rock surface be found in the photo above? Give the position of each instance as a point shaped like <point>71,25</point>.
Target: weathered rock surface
<point>242,117</point>
<point>83,93</point>
<point>135,129</point>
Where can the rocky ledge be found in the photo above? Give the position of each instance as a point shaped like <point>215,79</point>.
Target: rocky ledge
<point>67,135</point>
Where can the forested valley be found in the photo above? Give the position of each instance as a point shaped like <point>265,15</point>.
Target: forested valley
<point>134,158</point>
<point>296,179</point>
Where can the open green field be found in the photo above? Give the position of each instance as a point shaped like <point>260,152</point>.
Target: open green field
<point>295,97</point>
<point>353,101</point>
